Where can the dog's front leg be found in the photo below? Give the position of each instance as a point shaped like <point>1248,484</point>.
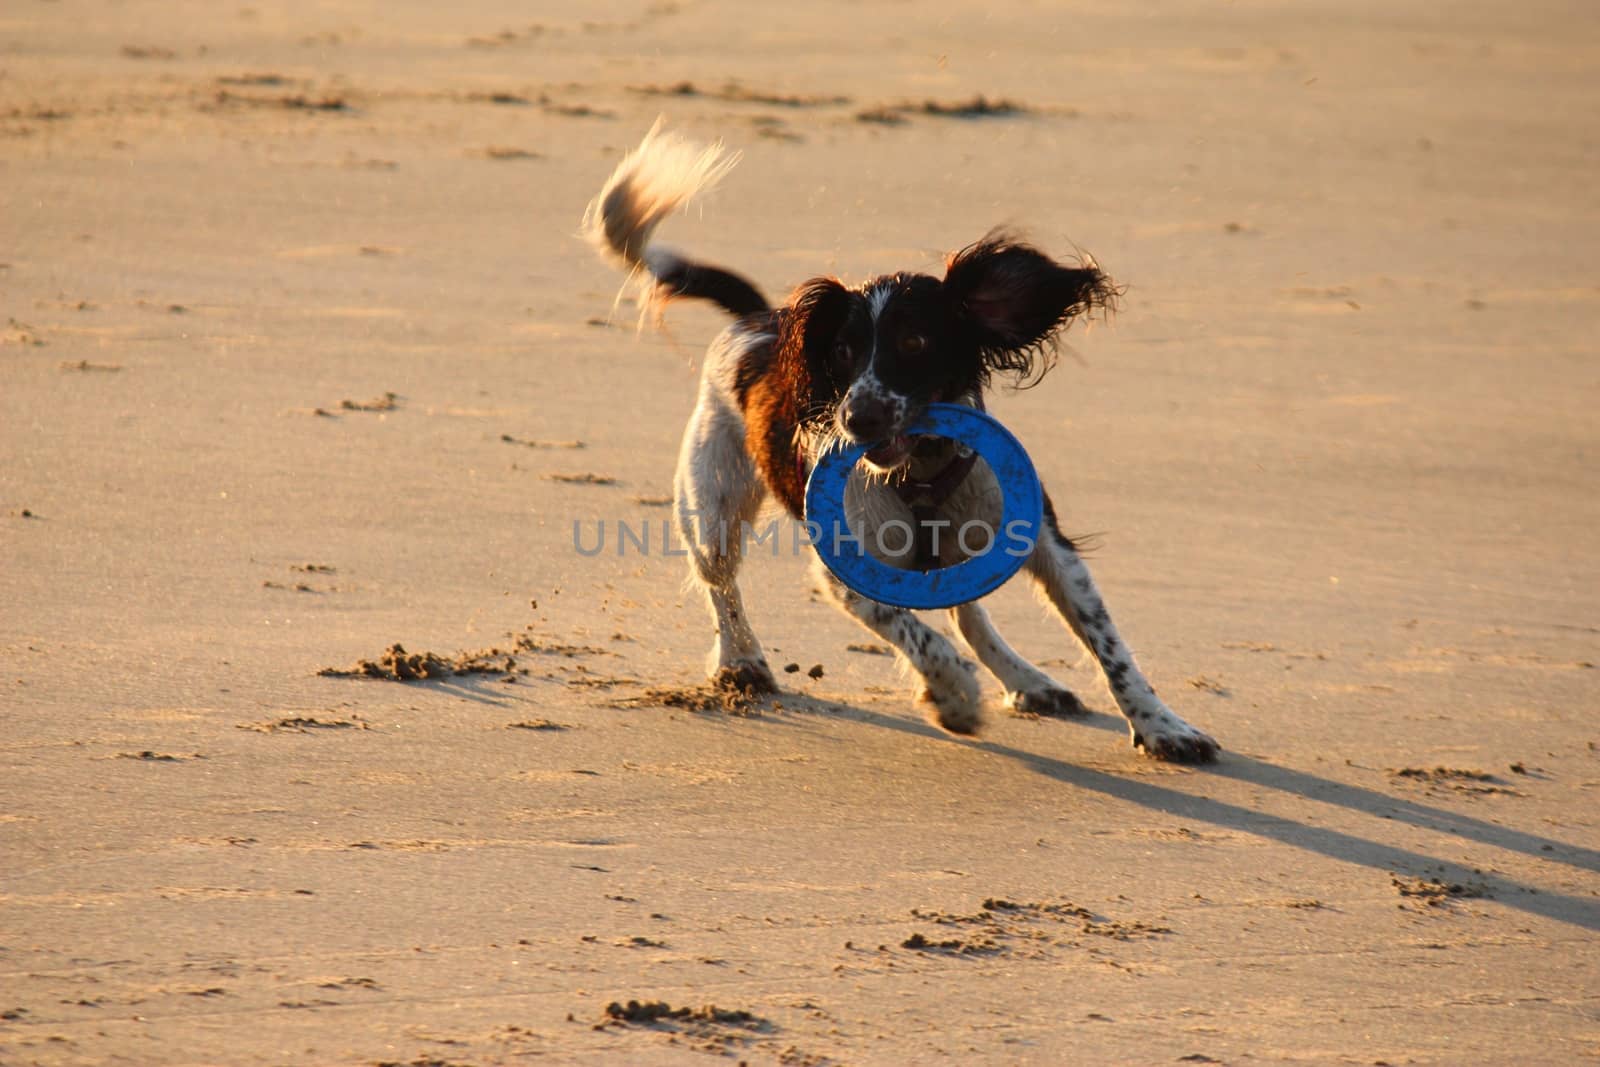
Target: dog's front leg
<point>1028,689</point>
<point>716,494</point>
<point>951,685</point>
<point>1061,574</point>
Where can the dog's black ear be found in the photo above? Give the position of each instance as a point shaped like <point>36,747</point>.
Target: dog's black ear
<point>1012,300</point>
<point>809,330</point>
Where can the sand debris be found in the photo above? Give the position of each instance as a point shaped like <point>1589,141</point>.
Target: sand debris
<point>1435,893</point>
<point>304,724</point>
<point>1461,780</point>
<point>386,402</point>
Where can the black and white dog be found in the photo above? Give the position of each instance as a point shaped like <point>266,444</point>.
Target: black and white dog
<point>863,363</point>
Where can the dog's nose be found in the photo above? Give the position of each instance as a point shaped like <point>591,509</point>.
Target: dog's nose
<point>865,418</point>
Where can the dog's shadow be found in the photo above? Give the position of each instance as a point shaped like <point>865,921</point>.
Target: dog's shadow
<point>1188,801</point>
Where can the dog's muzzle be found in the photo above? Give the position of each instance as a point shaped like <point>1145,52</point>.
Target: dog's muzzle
<point>865,416</point>
<point>870,417</point>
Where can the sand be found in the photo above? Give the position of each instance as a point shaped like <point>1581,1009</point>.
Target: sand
<point>303,359</point>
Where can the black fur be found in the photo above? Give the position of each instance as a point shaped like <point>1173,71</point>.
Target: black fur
<point>1014,300</point>
<point>732,293</point>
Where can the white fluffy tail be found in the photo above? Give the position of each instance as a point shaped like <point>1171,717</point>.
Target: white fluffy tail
<point>663,174</point>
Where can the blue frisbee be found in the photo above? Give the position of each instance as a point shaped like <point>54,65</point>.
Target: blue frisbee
<point>1008,548</point>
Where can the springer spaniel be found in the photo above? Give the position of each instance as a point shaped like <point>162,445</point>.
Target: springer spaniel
<point>861,364</point>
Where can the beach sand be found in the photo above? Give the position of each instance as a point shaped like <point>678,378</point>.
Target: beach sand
<point>303,358</point>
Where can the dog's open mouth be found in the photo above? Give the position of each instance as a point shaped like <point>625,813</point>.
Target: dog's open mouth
<point>890,454</point>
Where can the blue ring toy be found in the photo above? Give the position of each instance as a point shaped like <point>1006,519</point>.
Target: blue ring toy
<point>1012,544</point>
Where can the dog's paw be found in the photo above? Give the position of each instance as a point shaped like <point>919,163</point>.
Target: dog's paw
<point>751,677</point>
<point>955,715</point>
<point>952,698</point>
<point>1167,737</point>
<point>1051,702</point>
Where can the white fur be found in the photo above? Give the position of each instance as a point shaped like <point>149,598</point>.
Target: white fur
<point>662,175</point>
<point>877,299</point>
<point>717,491</point>
<point>949,685</point>
<point>1027,687</point>
<point>1065,582</point>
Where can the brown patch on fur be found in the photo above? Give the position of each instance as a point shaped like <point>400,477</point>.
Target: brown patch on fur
<point>778,403</point>
<point>770,426</point>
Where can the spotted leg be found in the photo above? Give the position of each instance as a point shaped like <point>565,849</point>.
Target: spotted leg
<point>1063,578</point>
<point>951,690</point>
<point>1028,689</point>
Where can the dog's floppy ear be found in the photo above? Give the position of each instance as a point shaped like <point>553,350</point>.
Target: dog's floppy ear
<point>1013,299</point>
<point>809,324</point>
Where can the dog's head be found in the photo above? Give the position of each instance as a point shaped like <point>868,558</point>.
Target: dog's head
<point>877,356</point>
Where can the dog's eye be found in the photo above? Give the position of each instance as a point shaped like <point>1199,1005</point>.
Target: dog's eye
<point>842,357</point>
<point>913,344</point>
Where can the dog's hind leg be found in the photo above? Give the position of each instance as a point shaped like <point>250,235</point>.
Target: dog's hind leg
<point>717,493</point>
<point>1028,689</point>
<point>1062,577</point>
<point>951,688</point>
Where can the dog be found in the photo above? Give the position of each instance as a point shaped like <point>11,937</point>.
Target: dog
<point>861,364</point>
